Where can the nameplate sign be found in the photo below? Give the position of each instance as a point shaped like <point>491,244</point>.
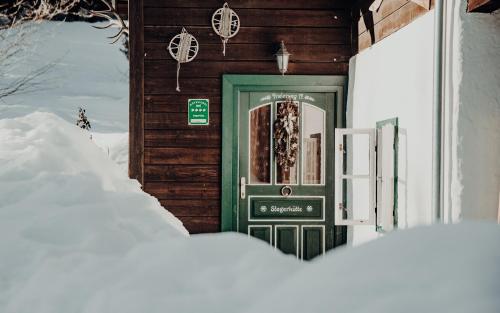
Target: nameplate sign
<point>284,96</point>
<point>296,208</point>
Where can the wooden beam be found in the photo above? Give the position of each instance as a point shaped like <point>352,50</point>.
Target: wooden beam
<point>483,6</point>
<point>426,4</point>
<point>387,25</point>
<point>136,98</point>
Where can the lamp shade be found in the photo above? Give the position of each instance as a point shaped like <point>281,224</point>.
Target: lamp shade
<point>282,57</point>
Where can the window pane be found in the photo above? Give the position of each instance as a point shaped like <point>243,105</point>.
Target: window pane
<point>357,199</point>
<point>260,145</point>
<point>288,174</point>
<point>313,132</point>
<point>357,154</point>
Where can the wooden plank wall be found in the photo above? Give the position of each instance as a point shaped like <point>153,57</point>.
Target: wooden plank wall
<point>182,164</point>
<point>136,91</point>
<point>122,8</point>
<point>390,17</point>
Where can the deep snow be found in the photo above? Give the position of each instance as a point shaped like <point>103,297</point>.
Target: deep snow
<point>440,268</point>
<point>78,236</point>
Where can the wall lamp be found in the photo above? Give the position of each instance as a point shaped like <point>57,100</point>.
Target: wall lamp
<point>282,57</point>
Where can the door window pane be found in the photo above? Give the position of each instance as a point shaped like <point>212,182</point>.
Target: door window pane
<point>313,132</point>
<point>260,145</point>
<point>288,144</point>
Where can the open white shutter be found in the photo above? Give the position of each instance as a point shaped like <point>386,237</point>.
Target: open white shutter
<point>355,176</point>
<point>385,178</point>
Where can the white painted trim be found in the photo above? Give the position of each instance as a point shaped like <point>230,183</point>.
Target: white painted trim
<point>343,176</point>
<point>262,226</point>
<point>290,219</point>
<point>385,177</point>
<point>296,236</point>
<point>339,176</point>
<point>302,238</point>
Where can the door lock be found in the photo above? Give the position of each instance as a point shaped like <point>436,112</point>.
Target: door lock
<point>243,187</point>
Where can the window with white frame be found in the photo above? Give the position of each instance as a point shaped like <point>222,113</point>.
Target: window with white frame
<point>365,176</point>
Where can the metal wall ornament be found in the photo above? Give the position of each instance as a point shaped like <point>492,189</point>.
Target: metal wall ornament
<point>183,48</point>
<point>226,24</point>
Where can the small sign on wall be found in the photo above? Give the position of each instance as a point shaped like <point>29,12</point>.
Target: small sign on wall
<point>198,112</point>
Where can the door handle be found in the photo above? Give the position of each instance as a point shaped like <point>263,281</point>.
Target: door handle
<point>243,188</point>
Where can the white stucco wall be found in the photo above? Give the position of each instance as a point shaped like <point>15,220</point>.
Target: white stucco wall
<point>394,78</point>
<point>472,150</point>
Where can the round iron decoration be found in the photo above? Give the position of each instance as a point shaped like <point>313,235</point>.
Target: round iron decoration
<point>226,24</point>
<point>183,48</point>
<point>286,191</point>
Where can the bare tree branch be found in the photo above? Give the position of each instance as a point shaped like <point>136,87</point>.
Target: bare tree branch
<point>16,12</point>
<point>26,84</point>
<point>114,20</point>
<point>15,34</point>
<point>15,46</point>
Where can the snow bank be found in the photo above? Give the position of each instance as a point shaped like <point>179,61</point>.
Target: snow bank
<point>78,236</point>
<point>442,268</point>
<point>115,146</point>
<point>61,197</point>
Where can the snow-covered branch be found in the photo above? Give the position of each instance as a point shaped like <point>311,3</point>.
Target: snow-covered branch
<point>16,12</point>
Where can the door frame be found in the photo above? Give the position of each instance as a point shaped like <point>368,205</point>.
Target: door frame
<point>232,85</point>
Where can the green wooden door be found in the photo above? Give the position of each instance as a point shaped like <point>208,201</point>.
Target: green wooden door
<point>290,208</point>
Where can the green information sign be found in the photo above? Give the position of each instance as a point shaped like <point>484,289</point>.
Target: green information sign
<point>198,111</point>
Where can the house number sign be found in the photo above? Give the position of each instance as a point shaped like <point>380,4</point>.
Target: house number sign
<point>198,112</point>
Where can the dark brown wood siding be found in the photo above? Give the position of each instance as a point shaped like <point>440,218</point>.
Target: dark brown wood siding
<point>182,163</point>
<point>136,91</point>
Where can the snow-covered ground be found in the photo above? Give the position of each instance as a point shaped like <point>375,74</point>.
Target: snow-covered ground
<point>86,71</point>
<point>76,235</point>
